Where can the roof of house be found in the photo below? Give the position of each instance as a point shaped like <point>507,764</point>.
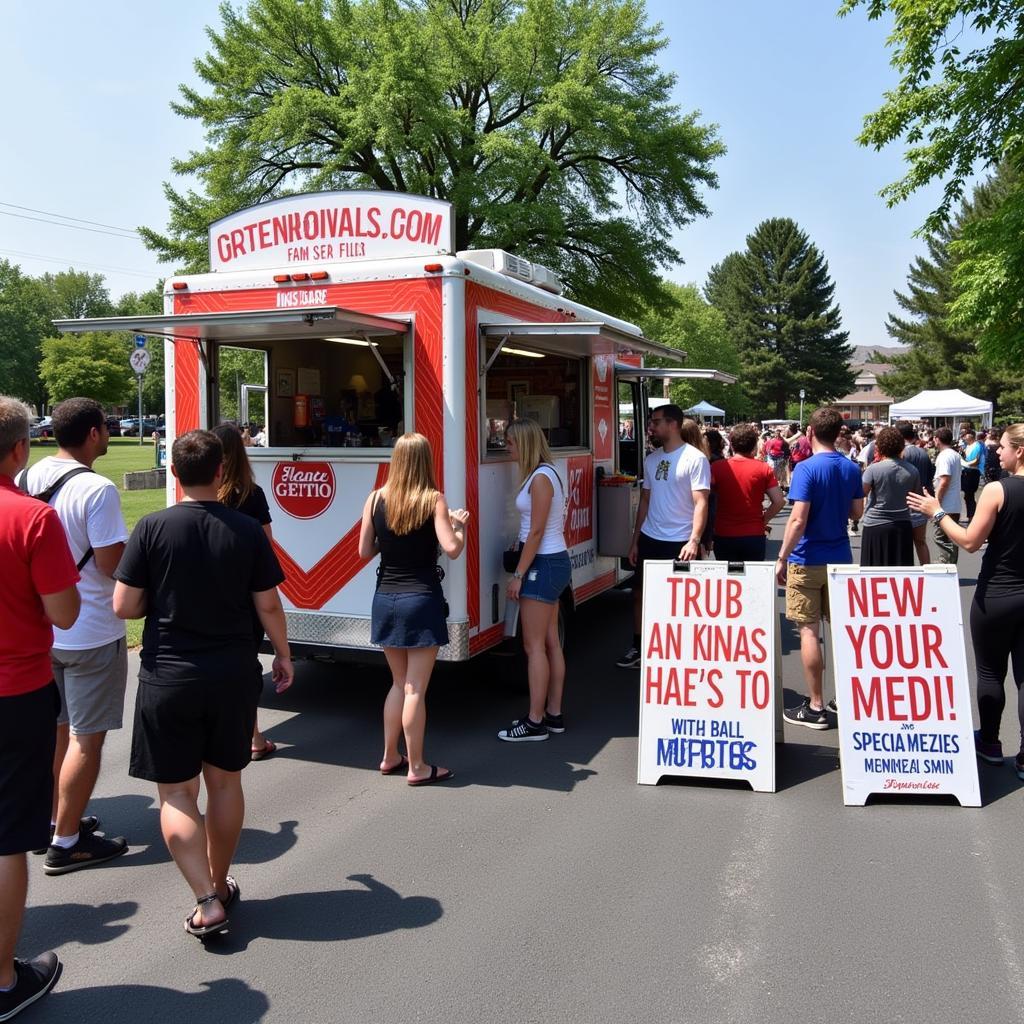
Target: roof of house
<point>873,397</point>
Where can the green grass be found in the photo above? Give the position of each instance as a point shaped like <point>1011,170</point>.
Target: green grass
<point>126,455</point>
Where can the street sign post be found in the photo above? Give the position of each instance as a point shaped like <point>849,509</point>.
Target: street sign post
<point>140,360</point>
<point>140,340</point>
<point>802,393</point>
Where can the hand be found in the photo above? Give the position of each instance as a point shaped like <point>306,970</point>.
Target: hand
<point>767,528</point>
<point>923,503</point>
<point>458,516</point>
<point>514,586</point>
<point>689,551</point>
<point>634,553</point>
<point>282,673</point>
<point>780,572</point>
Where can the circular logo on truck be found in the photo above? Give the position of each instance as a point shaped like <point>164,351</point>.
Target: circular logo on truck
<point>304,490</point>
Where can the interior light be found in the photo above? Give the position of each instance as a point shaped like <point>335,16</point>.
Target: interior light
<point>521,352</point>
<point>351,341</point>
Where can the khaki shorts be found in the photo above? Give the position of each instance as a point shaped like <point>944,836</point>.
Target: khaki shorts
<point>92,684</point>
<point>806,594</point>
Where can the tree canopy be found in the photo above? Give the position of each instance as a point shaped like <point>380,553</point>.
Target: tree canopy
<point>547,123</point>
<point>24,322</point>
<point>777,300</point>
<point>93,365</point>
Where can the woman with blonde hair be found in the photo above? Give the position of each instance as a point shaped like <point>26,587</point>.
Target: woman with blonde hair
<point>239,490</point>
<point>542,573</point>
<point>404,522</point>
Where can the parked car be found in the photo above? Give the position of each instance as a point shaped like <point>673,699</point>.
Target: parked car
<point>113,426</point>
<point>130,427</point>
<point>42,428</point>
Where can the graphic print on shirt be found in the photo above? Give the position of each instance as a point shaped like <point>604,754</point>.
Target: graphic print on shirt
<point>662,471</point>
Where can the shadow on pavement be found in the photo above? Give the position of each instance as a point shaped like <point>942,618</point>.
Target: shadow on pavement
<point>333,916</point>
<point>73,922</point>
<point>226,999</point>
<point>138,819</point>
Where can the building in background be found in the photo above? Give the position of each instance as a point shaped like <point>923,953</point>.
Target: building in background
<point>868,401</point>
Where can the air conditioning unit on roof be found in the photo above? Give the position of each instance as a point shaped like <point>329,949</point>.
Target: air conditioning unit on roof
<point>501,261</point>
<point>546,278</point>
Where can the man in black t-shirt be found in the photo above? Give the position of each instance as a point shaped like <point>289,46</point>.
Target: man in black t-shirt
<point>918,458</point>
<point>195,571</point>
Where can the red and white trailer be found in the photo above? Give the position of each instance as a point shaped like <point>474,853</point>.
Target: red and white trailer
<point>335,321</point>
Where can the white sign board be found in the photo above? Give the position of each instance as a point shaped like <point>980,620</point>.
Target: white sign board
<point>901,683</point>
<point>708,679</point>
<point>332,227</point>
<point>140,360</point>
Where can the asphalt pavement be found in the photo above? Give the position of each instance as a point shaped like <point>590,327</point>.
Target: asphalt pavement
<point>543,884</point>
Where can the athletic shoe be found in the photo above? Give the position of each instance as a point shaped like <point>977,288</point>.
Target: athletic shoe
<point>855,527</point>
<point>631,659</point>
<point>32,980</point>
<point>86,825</point>
<point>806,715</point>
<point>990,753</point>
<point>88,852</point>
<point>1018,765</point>
<point>554,723</point>
<point>523,731</point>
<point>831,707</point>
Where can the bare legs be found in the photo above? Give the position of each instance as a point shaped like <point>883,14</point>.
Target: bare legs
<point>76,778</point>
<point>921,544</point>
<point>405,707</point>
<point>810,656</point>
<point>13,893</point>
<point>545,661</point>
<point>203,850</point>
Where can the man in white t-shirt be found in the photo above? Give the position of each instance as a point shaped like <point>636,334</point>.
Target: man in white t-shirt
<point>90,660</point>
<point>947,490</point>
<point>673,510</point>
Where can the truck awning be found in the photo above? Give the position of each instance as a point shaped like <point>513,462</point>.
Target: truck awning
<point>573,338</point>
<point>250,325</point>
<point>623,371</point>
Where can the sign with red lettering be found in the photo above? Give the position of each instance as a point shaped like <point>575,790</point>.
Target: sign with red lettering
<point>304,490</point>
<point>579,512</point>
<point>901,683</point>
<point>708,702</point>
<point>605,419</point>
<point>331,227</point>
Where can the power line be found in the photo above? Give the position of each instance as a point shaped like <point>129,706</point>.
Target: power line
<point>134,237</point>
<point>63,216</point>
<point>71,263</point>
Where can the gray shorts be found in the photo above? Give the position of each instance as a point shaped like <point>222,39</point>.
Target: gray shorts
<point>92,685</point>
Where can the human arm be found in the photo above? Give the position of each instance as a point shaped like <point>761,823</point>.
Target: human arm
<point>941,486</point>
<point>53,570</point>
<point>105,528</point>
<point>367,534</point>
<point>62,608</point>
<point>129,602</point>
<point>450,527</point>
<point>641,515</point>
<point>795,528</point>
<point>108,558</point>
<point>271,615</point>
<point>542,493</point>
<point>971,537</point>
<point>691,548</point>
<point>776,502</point>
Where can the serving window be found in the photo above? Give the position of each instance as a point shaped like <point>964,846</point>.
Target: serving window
<point>314,392</point>
<point>526,383</point>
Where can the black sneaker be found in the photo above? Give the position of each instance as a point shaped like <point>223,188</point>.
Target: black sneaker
<point>89,851</point>
<point>806,715</point>
<point>631,659</point>
<point>832,707</point>
<point>1018,765</point>
<point>523,731</point>
<point>554,723</point>
<point>33,979</point>
<point>86,825</point>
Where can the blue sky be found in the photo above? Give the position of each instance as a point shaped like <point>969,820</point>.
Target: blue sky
<point>89,133</point>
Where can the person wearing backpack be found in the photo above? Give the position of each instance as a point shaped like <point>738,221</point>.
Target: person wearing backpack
<point>90,660</point>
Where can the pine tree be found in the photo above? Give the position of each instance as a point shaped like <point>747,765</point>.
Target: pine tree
<point>777,298</point>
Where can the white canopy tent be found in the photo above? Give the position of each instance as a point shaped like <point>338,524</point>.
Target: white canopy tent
<point>705,409</point>
<point>944,405</point>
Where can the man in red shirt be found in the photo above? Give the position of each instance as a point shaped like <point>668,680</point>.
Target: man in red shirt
<point>740,485</point>
<point>38,592</point>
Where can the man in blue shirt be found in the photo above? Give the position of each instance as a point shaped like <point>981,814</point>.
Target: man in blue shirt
<point>826,492</point>
<point>972,465</point>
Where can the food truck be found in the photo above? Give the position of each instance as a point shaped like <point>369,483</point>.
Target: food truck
<point>333,322</point>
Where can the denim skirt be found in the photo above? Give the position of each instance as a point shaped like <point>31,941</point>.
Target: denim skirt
<point>547,577</point>
<point>412,619</point>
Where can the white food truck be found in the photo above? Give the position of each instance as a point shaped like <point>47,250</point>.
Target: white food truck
<point>333,322</point>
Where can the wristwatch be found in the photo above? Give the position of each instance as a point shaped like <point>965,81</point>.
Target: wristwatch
<point>517,575</point>
<point>939,516</point>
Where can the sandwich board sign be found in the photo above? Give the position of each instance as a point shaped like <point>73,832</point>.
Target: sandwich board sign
<point>709,702</point>
<point>901,683</point>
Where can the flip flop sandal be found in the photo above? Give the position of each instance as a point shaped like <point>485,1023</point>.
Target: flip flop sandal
<point>397,769</point>
<point>201,931</point>
<point>433,777</point>
<point>233,893</point>
<point>269,750</point>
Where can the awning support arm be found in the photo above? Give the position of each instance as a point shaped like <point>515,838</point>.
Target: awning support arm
<point>497,352</point>
<point>380,362</point>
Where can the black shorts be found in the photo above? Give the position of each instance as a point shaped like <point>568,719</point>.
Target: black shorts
<point>180,726</point>
<point>650,550</point>
<point>28,735</point>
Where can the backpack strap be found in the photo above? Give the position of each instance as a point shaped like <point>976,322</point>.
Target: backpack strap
<point>48,495</point>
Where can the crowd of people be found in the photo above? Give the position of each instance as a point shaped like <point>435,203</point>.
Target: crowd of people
<point>73,574</point>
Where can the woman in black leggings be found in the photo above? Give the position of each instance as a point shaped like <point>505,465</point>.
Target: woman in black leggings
<point>997,615</point>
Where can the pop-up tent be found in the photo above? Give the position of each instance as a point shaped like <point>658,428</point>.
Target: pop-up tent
<point>704,409</point>
<point>954,404</point>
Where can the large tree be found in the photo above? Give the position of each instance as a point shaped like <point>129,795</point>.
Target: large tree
<point>93,365</point>
<point>777,298</point>
<point>547,123</point>
<point>24,322</point>
<point>959,109</point>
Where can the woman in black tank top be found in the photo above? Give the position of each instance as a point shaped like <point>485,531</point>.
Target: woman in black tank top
<point>406,522</point>
<point>997,614</point>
